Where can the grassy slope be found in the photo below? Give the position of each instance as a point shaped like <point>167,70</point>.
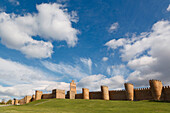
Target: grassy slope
<point>87,106</point>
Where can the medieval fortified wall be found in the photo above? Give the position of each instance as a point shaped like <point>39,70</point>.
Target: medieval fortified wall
<point>156,91</point>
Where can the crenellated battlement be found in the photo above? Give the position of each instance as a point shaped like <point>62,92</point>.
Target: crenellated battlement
<point>141,89</point>
<point>166,87</point>
<point>117,90</point>
<point>128,83</point>
<point>154,80</point>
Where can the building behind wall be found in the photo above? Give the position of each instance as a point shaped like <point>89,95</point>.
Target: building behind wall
<point>73,86</point>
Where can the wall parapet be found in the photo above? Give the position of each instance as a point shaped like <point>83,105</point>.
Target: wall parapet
<point>166,87</point>
<point>137,89</point>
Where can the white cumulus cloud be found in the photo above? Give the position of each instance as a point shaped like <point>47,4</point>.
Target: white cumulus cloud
<point>148,54</point>
<point>105,59</point>
<point>20,80</point>
<point>168,9</point>
<point>14,73</point>
<point>113,27</point>
<point>115,70</point>
<point>93,82</point>
<point>21,90</point>
<point>114,44</point>
<point>52,23</point>
<point>142,62</point>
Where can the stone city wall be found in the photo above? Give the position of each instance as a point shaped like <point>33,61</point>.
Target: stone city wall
<point>166,93</point>
<point>70,95</point>
<point>142,94</point>
<point>79,96</point>
<point>117,95</point>
<point>156,91</point>
<point>27,99</point>
<point>59,94</point>
<point>47,96</point>
<point>95,95</point>
<point>21,101</point>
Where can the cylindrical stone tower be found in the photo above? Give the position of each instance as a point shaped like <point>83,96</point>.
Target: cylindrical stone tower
<point>85,93</point>
<point>105,92</point>
<point>156,89</point>
<point>129,91</point>
<point>15,102</point>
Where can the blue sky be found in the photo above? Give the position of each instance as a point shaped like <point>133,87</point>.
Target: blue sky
<point>47,43</point>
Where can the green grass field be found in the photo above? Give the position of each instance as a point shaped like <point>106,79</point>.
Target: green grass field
<point>88,106</point>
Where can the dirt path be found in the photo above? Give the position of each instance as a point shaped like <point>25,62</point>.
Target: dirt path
<point>42,102</point>
<point>4,105</point>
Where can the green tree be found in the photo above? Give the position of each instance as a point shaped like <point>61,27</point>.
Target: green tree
<point>3,101</point>
<point>9,102</point>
